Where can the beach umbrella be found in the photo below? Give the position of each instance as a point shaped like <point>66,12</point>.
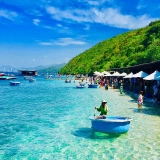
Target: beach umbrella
<point>129,75</point>
<point>152,76</point>
<point>123,74</point>
<point>108,75</point>
<point>100,74</point>
<point>140,74</point>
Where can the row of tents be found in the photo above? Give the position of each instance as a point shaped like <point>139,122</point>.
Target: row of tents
<point>153,76</point>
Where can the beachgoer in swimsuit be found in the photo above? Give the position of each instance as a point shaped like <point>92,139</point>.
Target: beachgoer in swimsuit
<point>140,99</point>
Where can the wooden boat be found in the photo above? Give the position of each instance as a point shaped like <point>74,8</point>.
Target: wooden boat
<point>111,124</point>
<point>92,85</point>
<point>14,83</point>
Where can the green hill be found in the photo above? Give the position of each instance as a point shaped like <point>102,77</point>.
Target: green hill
<point>53,69</point>
<point>131,48</point>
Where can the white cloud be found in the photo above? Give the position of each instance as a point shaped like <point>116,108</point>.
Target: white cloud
<point>36,22</point>
<point>8,14</point>
<point>95,3</point>
<point>107,16</point>
<point>87,27</point>
<point>59,25</point>
<point>46,43</point>
<point>68,41</point>
<point>63,42</point>
<point>48,27</point>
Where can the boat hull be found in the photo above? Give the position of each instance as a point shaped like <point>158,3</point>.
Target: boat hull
<point>14,83</point>
<point>111,124</point>
<point>31,80</point>
<point>92,85</point>
<point>67,81</point>
<point>80,86</point>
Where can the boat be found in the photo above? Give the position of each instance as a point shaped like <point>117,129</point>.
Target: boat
<point>67,81</point>
<point>92,85</point>
<point>14,83</point>
<point>5,77</point>
<point>111,124</point>
<point>2,74</point>
<point>31,80</point>
<point>48,76</point>
<point>81,85</point>
<point>27,77</point>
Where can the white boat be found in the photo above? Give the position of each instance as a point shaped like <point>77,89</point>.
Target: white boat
<point>5,77</point>
<point>80,85</point>
<point>92,85</point>
<point>27,77</point>
<point>14,83</point>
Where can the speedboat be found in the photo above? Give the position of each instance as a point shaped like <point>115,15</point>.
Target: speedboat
<point>111,124</point>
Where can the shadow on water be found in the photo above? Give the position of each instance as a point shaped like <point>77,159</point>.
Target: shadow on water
<point>150,111</point>
<point>88,133</point>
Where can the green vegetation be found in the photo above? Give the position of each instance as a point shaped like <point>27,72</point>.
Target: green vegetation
<point>50,70</point>
<point>132,48</point>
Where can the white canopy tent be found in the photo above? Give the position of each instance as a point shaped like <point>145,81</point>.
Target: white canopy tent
<point>140,74</point>
<point>116,74</point>
<point>152,76</point>
<point>129,75</point>
<point>105,72</point>
<point>107,75</point>
<point>96,73</point>
<point>123,74</point>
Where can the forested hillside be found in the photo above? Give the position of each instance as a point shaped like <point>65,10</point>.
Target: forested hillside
<point>135,47</point>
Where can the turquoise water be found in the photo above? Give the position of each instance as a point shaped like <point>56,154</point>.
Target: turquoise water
<point>48,119</point>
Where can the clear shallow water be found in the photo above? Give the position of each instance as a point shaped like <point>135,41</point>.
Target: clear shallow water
<point>48,119</point>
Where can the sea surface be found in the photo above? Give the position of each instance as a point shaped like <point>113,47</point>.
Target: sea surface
<point>49,120</point>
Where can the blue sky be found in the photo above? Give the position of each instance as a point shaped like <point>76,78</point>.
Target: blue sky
<point>44,32</point>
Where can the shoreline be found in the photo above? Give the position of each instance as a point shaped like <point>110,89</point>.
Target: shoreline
<point>147,102</point>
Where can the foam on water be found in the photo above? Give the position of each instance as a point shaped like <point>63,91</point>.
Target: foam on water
<point>49,119</point>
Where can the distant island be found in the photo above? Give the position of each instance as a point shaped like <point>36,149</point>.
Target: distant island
<point>52,69</point>
<point>40,69</point>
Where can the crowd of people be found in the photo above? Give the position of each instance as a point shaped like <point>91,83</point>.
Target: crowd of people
<point>143,89</point>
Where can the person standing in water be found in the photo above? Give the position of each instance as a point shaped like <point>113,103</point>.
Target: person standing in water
<point>103,109</point>
<point>140,99</point>
<point>121,87</point>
